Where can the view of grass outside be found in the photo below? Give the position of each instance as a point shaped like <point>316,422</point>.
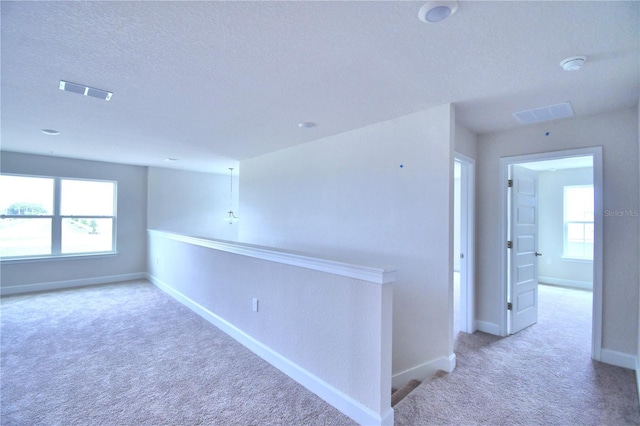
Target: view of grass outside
<point>25,237</point>
<point>28,216</point>
<point>86,235</point>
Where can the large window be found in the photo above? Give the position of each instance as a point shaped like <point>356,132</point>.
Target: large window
<point>578,222</point>
<point>50,216</point>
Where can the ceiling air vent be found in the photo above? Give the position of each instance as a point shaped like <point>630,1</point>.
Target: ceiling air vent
<point>552,112</point>
<point>85,90</point>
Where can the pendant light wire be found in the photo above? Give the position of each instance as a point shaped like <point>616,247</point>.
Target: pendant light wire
<point>232,217</point>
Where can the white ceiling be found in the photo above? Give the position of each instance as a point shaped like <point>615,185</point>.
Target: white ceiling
<point>211,83</point>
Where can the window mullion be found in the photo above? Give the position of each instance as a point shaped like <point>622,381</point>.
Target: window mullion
<point>56,226</point>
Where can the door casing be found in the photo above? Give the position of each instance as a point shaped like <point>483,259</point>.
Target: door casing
<point>505,162</point>
<point>467,233</point>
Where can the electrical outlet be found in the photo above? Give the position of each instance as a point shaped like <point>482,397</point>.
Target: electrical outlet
<point>255,305</point>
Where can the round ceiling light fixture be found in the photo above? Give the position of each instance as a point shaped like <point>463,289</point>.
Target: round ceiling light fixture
<point>573,63</point>
<point>436,11</point>
<point>50,132</point>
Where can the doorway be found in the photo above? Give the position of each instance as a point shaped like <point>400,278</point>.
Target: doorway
<point>463,253</point>
<point>511,266</point>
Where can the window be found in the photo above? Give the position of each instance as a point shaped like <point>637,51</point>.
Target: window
<point>578,222</point>
<point>51,216</point>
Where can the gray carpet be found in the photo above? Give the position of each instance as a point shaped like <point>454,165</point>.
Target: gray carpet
<point>540,376</point>
<point>127,354</point>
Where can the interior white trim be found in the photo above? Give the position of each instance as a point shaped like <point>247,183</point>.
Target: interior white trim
<point>58,285</point>
<point>364,273</point>
<point>638,376</point>
<point>347,405</point>
<point>467,242</point>
<point>619,359</point>
<point>424,371</point>
<point>596,154</point>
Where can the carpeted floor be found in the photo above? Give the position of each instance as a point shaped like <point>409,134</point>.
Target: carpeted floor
<point>131,355</point>
<point>540,376</point>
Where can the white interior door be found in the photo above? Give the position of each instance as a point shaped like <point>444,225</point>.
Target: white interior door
<point>523,255</point>
<point>467,298</point>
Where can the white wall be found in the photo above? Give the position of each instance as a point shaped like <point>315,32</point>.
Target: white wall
<point>466,142</point>
<point>638,318</point>
<point>617,133</point>
<point>192,203</point>
<point>131,227</point>
<point>346,197</point>
<point>553,267</point>
<point>316,322</point>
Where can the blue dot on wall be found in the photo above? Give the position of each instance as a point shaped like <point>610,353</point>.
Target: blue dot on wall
<point>547,134</point>
<point>401,165</point>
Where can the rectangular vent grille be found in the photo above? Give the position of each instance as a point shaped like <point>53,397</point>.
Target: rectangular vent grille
<point>85,90</point>
<point>548,113</point>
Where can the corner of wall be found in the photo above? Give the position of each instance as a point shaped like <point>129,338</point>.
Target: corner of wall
<point>638,321</point>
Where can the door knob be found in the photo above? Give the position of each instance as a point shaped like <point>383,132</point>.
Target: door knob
<point>538,253</point>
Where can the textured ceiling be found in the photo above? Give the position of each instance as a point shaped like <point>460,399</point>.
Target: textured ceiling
<point>211,83</point>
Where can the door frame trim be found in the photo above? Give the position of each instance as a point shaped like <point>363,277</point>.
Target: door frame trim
<point>467,241</point>
<point>596,154</point>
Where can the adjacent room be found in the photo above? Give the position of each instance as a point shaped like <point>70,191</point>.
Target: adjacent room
<point>374,213</point>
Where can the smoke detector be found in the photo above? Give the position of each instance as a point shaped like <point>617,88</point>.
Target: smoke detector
<point>436,11</point>
<point>573,63</point>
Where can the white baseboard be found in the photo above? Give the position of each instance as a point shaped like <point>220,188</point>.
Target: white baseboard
<point>59,285</point>
<point>344,403</point>
<point>638,376</point>
<point>488,327</point>
<point>424,371</point>
<point>585,285</point>
<point>619,359</point>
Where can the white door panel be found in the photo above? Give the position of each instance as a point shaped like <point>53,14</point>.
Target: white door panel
<point>523,256</point>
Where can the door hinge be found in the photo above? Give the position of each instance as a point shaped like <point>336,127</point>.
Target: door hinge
<point>510,183</point>
<point>509,244</point>
<point>509,306</point>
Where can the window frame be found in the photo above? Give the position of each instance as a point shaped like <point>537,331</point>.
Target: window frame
<point>57,219</point>
<point>566,222</point>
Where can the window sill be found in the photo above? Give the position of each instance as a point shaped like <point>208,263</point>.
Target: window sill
<point>81,256</point>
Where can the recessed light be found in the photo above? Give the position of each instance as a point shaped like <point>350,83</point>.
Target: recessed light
<point>436,11</point>
<point>50,132</point>
<point>170,160</point>
<point>306,125</point>
<point>573,63</point>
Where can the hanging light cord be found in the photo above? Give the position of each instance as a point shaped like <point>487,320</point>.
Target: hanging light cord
<point>231,215</point>
<point>230,189</point>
